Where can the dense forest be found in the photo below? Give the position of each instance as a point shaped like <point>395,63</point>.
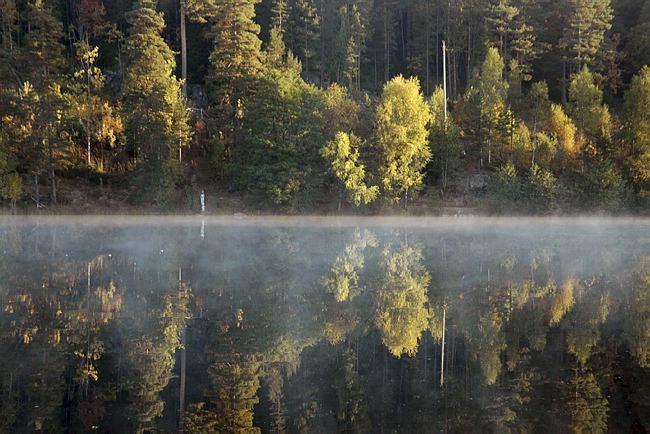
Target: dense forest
<point>301,105</point>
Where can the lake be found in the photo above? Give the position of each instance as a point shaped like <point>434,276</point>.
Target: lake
<point>116,324</point>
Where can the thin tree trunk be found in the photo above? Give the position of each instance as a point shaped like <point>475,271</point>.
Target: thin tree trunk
<point>183,48</point>
<point>563,84</point>
<point>386,45</point>
<point>51,164</point>
<point>428,49</point>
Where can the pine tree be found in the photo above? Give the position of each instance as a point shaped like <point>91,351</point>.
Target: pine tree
<point>156,118</point>
<point>587,407</point>
<point>584,32</point>
<point>485,113</point>
<point>43,53</point>
<point>444,141</point>
<point>637,130</point>
<point>639,37</point>
<point>8,44</point>
<point>304,22</point>
<point>350,41</point>
<point>280,12</point>
<point>515,37</point>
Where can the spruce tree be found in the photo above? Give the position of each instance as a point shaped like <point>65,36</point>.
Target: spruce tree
<point>236,55</point>
<point>637,130</point>
<point>304,36</point>
<point>156,117</point>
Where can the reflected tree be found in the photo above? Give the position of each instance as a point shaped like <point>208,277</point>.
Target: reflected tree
<point>401,314</point>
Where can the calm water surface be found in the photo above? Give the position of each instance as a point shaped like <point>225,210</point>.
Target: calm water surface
<point>324,325</point>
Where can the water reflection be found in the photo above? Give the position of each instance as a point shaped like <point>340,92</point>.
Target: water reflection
<point>232,328</point>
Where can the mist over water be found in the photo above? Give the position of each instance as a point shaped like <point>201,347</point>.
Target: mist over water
<point>317,324</point>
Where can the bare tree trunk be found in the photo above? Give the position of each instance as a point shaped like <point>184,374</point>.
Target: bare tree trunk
<point>38,197</point>
<point>51,164</point>
<point>563,83</point>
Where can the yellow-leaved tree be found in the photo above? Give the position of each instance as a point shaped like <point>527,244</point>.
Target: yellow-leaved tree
<point>402,138</point>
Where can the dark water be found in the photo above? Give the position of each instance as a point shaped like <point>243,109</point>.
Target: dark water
<point>324,325</point>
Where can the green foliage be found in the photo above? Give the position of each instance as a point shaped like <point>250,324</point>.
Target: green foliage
<point>75,92</point>
<point>514,37</point>
<point>587,110</point>
<point>234,386</point>
<point>343,279</point>
<point>637,131</point>
<point>587,405</point>
<point>508,186</point>
<point>402,138</point>
<point>43,57</point>
<point>11,188</point>
<point>542,189</point>
<point>485,112</point>
<point>343,156</point>
<point>155,113</point>
<point>565,134</point>
<point>444,139</point>
<point>303,40</point>
<point>401,314</point>
<point>637,319</point>
<point>536,192</point>
<point>587,22</point>
<point>279,150</point>
<point>236,54</point>
<point>601,186</point>
<point>349,45</point>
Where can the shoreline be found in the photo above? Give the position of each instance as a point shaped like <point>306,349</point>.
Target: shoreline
<point>306,221</point>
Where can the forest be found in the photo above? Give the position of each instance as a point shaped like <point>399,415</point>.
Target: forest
<point>358,106</point>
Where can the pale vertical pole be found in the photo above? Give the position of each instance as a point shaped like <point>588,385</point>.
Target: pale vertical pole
<point>183,13</point>
<point>444,77</point>
<point>181,412</point>
<point>442,353</point>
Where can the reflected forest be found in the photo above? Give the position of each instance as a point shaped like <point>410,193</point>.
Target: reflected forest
<point>459,328</point>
